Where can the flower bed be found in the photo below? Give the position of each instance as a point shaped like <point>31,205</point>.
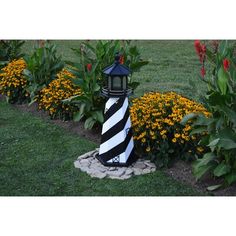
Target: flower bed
<point>50,98</point>
<point>13,82</point>
<point>157,130</point>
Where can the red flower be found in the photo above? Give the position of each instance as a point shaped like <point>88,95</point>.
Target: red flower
<point>89,67</point>
<point>204,49</point>
<point>203,72</point>
<point>197,45</point>
<point>122,59</point>
<point>226,64</point>
<point>200,50</point>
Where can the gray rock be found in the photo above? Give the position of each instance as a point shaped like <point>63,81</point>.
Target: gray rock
<point>91,165</point>
<point>113,168</point>
<point>129,171</point>
<point>150,164</point>
<point>85,161</point>
<point>139,165</point>
<point>137,171</point>
<point>116,173</point>
<point>77,164</point>
<point>99,175</point>
<point>84,169</point>
<point>146,171</point>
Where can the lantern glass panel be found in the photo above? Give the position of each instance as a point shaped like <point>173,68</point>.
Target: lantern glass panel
<point>124,83</point>
<point>116,83</point>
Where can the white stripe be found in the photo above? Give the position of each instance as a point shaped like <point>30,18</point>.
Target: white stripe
<point>115,118</point>
<point>116,139</point>
<point>110,102</point>
<point>125,155</point>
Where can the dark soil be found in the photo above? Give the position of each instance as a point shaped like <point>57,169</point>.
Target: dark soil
<point>180,171</point>
<point>74,127</point>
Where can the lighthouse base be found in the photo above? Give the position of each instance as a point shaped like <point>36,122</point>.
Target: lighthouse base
<point>117,145</point>
<point>132,158</point>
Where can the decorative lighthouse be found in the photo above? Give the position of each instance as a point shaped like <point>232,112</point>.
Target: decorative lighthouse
<point>117,145</point>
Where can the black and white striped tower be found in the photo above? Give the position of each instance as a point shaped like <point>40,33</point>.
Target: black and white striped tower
<point>117,145</point>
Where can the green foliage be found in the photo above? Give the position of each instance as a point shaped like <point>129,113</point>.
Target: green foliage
<point>90,103</point>
<point>102,54</point>
<point>88,70</point>
<point>42,67</point>
<point>10,50</point>
<point>220,127</point>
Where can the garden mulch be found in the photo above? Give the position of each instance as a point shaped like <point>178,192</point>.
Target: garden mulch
<point>180,171</point>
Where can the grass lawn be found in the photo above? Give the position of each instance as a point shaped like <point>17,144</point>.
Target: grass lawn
<point>36,158</point>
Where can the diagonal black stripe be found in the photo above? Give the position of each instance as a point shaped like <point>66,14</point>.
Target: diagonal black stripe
<point>106,156</point>
<point>116,128</point>
<point>114,108</point>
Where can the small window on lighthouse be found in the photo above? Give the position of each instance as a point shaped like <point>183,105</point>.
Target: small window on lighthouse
<point>117,83</point>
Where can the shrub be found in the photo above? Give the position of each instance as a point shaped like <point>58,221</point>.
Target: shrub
<point>10,50</point>
<point>92,60</point>
<point>102,53</point>
<point>50,98</point>
<point>157,131</point>
<point>13,82</point>
<point>42,67</point>
<point>220,162</point>
<point>90,104</point>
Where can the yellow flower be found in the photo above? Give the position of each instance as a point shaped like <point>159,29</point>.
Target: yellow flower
<point>200,149</point>
<point>174,140</point>
<point>177,135</point>
<point>61,88</point>
<point>148,149</point>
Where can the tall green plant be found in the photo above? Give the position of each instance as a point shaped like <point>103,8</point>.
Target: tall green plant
<point>10,50</point>
<point>92,59</point>
<point>42,67</point>
<point>102,54</point>
<point>90,103</point>
<point>220,128</point>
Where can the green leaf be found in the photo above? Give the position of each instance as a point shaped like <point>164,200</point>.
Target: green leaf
<point>221,170</point>
<point>80,114</point>
<point>70,99</point>
<point>214,142</point>
<point>214,187</point>
<point>222,80</point>
<point>231,114</point>
<point>198,130</point>
<point>98,116</point>
<point>96,87</point>
<point>89,123</point>
<point>223,48</point>
<point>227,144</point>
<point>227,133</point>
<point>230,178</point>
<point>203,165</point>
<point>134,85</point>
<point>187,118</point>
<point>137,65</point>
<point>198,172</point>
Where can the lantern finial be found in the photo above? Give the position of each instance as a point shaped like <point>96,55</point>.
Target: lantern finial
<point>117,58</point>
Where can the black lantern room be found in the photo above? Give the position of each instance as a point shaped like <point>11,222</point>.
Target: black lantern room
<point>116,80</point>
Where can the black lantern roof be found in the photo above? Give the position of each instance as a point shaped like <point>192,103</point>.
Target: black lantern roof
<point>116,68</point>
